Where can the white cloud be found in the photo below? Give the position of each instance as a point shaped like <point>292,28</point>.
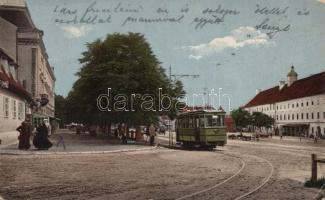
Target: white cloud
<point>195,57</point>
<point>76,32</point>
<point>241,37</point>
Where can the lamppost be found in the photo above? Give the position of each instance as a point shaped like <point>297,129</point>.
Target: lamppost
<point>229,101</point>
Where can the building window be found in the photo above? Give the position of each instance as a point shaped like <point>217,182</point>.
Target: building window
<point>293,116</point>
<point>280,117</point>
<point>277,117</point>
<point>324,115</point>
<point>6,107</point>
<point>302,115</point>
<point>302,104</point>
<point>293,105</point>
<point>307,115</point>
<point>288,117</point>
<point>297,105</point>
<point>20,111</point>
<point>312,129</point>
<point>312,103</point>
<point>297,116</point>
<point>307,103</point>
<point>312,115</point>
<point>14,109</point>
<point>318,115</point>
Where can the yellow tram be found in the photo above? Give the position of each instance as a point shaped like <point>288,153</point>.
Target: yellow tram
<point>201,128</point>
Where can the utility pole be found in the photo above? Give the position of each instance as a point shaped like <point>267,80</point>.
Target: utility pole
<point>176,77</point>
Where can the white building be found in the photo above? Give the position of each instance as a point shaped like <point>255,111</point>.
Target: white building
<point>13,97</point>
<point>37,76</point>
<point>297,106</point>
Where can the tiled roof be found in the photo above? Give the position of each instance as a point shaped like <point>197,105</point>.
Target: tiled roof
<point>14,86</point>
<point>309,86</point>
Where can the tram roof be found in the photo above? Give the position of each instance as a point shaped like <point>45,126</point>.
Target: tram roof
<point>202,112</point>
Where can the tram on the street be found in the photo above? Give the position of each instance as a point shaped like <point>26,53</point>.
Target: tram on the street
<point>205,128</point>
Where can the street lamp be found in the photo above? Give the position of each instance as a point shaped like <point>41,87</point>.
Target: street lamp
<point>229,101</point>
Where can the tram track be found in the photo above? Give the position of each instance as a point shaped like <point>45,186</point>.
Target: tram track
<point>243,164</point>
<point>250,178</point>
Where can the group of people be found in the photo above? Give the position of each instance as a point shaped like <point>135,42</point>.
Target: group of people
<point>122,133</point>
<point>40,140</point>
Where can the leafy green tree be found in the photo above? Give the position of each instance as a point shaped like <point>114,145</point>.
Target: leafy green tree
<point>126,64</point>
<point>60,109</point>
<point>260,120</point>
<point>241,117</point>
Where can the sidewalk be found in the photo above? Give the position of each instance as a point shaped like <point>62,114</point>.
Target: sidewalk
<point>82,143</point>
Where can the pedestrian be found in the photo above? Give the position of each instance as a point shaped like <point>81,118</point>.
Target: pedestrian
<point>116,133</point>
<point>300,137</point>
<point>25,131</point>
<point>315,137</point>
<point>41,140</point>
<point>147,133</point>
<point>123,134</point>
<point>152,134</point>
<point>281,135</point>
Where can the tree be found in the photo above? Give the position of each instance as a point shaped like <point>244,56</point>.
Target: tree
<point>241,118</point>
<point>60,109</point>
<point>126,64</point>
<point>262,120</point>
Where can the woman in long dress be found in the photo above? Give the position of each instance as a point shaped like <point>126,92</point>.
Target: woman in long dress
<point>25,131</point>
<point>41,140</point>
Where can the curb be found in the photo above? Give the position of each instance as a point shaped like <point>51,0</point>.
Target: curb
<point>79,152</point>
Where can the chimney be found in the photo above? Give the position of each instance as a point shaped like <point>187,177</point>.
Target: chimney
<point>281,85</point>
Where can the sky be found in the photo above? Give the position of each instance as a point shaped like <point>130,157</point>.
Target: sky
<point>237,45</point>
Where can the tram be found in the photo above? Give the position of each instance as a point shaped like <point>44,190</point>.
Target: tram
<point>203,128</point>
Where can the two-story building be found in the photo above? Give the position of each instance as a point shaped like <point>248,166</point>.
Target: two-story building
<point>298,105</point>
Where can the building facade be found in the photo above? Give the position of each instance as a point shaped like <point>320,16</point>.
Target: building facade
<point>13,97</point>
<point>37,76</point>
<point>298,105</point>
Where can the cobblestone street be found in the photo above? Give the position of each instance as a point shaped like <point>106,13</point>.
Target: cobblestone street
<point>227,173</point>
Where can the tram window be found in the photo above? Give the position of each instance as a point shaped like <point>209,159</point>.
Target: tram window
<point>212,121</point>
<point>201,121</point>
<point>197,122</point>
<point>190,124</point>
<point>186,122</point>
<point>180,123</point>
<point>215,120</point>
